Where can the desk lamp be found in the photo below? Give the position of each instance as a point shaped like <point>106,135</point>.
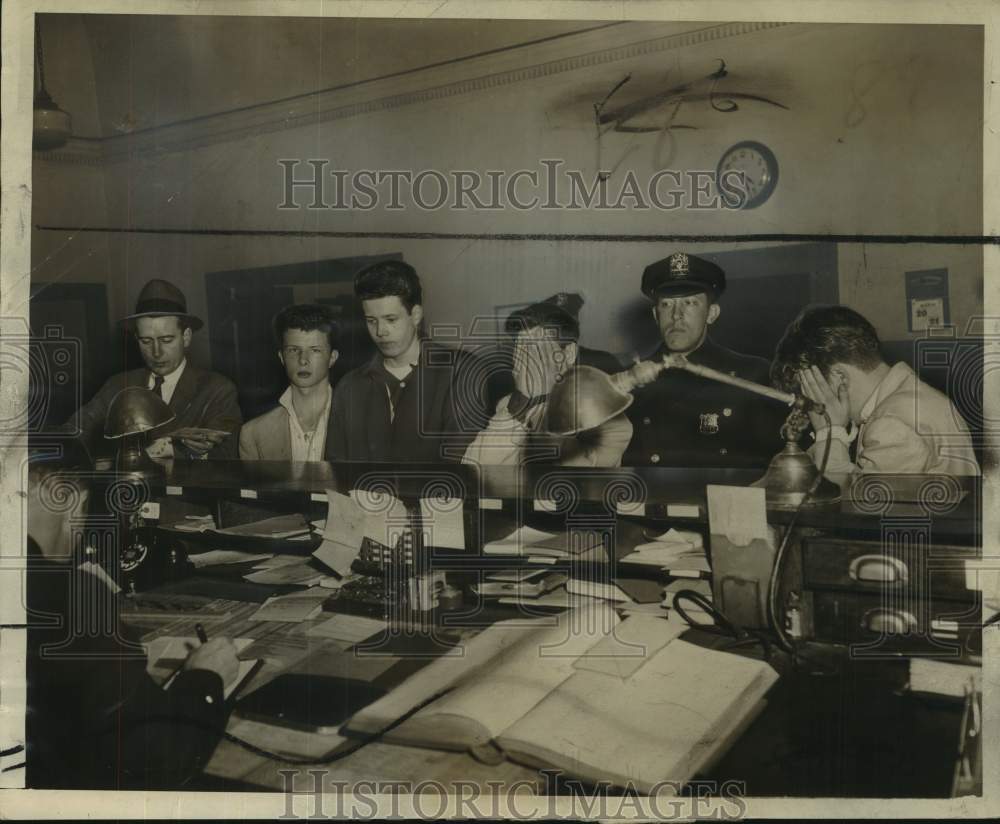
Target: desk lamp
<point>133,413</point>
<point>587,397</point>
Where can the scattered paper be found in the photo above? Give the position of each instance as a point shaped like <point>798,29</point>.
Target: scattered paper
<point>280,560</point>
<point>518,541</point>
<point>644,609</point>
<point>384,516</point>
<point>594,589</point>
<point>514,574</point>
<point>194,523</point>
<point>218,557</point>
<point>294,608</point>
<point>351,629</point>
<point>678,536</point>
<point>348,522</point>
<point>738,513</point>
<point>336,556</point>
<point>557,598</point>
<point>304,574</point>
<point>281,526</point>
<point>443,522</point>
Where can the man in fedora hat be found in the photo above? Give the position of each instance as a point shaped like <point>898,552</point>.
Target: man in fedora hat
<point>683,419</point>
<point>199,399</point>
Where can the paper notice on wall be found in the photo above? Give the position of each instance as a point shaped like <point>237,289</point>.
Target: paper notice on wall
<point>926,313</point>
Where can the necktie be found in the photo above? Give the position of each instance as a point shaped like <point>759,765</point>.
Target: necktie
<point>158,385</point>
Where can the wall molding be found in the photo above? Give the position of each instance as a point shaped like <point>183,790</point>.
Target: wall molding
<point>586,50</point>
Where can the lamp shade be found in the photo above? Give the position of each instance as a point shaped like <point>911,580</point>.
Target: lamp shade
<point>791,476</point>
<point>52,126</point>
<point>135,410</point>
<point>584,399</point>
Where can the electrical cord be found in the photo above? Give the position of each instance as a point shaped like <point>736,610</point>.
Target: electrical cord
<point>722,624</point>
<point>777,568</point>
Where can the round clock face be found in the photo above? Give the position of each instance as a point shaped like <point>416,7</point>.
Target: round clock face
<point>747,175</point>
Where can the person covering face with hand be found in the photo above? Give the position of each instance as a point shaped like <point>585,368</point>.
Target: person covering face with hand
<point>545,346</point>
<point>882,418</point>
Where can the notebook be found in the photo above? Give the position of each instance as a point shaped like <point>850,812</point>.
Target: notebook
<point>552,694</point>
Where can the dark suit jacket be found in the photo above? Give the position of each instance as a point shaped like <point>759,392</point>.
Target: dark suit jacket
<point>685,420</point>
<point>95,719</point>
<point>437,411</point>
<point>201,398</point>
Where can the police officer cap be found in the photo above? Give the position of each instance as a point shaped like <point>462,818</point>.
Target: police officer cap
<point>682,274</point>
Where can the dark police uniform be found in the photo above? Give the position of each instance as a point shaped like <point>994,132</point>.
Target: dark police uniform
<point>683,419</point>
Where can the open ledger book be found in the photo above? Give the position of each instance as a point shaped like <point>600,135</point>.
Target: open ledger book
<point>601,698</point>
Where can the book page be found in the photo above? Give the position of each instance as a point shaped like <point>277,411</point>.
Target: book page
<point>441,675</point>
<point>554,642</point>
<point>659,724</point>
<point>513,682</point>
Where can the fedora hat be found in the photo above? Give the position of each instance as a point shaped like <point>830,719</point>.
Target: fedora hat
<point>159,298</point>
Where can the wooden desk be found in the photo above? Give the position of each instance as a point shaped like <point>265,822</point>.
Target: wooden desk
<point>953,503</point>
<point>847,734</point>
<point>798,746</point>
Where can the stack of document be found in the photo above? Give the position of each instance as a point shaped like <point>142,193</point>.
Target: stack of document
<point>194,523</point>
<point>302,573</point>
<point>293,525</point>
<point>295,608</point>
<point>678,553</point>
<point>219,557</point>
<point>522,583</point>
<point>546,547</point>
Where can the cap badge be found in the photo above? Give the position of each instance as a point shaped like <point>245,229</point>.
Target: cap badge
<point>679,266</point>
<point>708,423</point>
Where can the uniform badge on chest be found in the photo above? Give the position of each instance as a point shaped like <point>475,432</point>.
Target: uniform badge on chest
<point>709,423</point>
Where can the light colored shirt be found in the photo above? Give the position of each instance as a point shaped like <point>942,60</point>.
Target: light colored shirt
<point>508,441</point>
<point>306,446</point>
<point>169,381</point>
<point>905,426</point>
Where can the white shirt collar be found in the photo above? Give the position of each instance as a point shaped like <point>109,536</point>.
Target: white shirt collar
<point>306,447</point>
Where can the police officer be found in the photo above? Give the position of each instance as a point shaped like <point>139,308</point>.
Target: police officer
<point>683,419</point>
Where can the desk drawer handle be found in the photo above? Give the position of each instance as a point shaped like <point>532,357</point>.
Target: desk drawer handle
<point>889,621</point>
<point>878,568</point>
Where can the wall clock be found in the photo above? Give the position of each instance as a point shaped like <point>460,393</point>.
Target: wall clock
<point>759,169</point>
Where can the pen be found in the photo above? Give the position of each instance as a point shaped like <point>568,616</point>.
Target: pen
<point>200,632</point>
